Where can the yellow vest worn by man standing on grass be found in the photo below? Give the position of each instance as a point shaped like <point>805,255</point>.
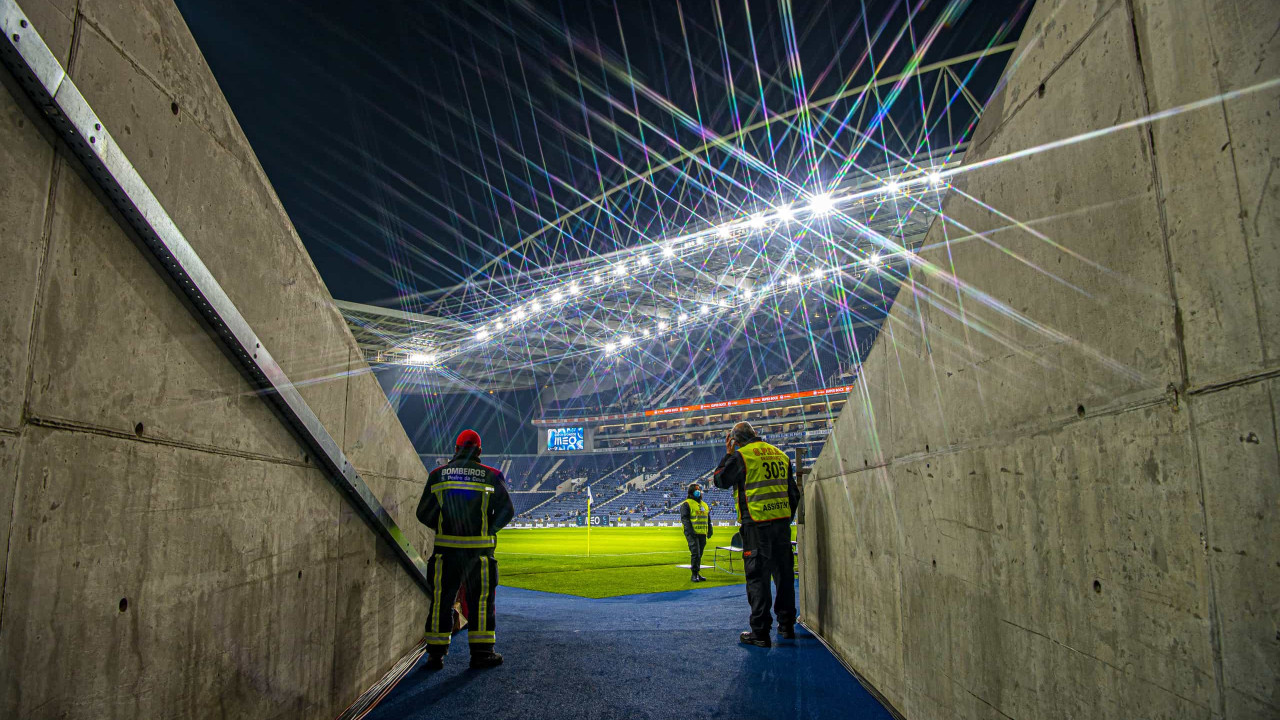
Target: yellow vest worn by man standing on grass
<point>695,516</point>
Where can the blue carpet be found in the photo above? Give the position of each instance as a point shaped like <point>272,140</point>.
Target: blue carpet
<point>666,655</point>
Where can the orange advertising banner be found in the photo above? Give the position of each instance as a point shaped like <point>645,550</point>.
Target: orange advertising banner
<point>719,405</point>
<point>821,392</point>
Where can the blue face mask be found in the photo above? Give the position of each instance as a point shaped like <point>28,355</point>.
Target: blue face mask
<point>697,494</point>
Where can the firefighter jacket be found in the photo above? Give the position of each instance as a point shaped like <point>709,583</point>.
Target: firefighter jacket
<point>763,482</point>
<point>466,503</point>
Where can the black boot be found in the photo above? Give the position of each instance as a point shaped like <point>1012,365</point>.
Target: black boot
<point>787,632</point>
<point>482,661</point>
<point>750,638</point>
<point>435,662</point>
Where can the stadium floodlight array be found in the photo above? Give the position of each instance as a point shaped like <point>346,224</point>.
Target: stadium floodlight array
<point>811,217</point>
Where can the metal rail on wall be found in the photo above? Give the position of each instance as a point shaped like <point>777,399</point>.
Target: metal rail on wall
<point>59,101</point>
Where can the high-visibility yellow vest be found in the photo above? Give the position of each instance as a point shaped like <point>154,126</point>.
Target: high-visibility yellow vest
<point>699,515</point>
<point>766,490</point>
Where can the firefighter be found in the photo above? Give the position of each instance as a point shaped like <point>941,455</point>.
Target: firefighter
<point>466,504</point>
<point>766,495</point>
<point>695,516</point>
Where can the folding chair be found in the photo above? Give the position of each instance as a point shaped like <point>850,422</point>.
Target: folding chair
<point>734,546</point>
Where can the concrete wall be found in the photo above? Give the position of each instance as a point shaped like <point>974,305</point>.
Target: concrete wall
<point>1056,493</point>
<point>170,550</point>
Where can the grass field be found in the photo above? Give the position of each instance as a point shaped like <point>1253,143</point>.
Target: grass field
<point>623,560</point>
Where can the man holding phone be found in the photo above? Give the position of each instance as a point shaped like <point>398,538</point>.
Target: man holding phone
<point>766,495</point>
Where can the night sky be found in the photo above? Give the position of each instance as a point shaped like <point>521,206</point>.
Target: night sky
<point>412,143</point>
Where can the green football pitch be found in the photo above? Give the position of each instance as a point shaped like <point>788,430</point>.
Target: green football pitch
<point>622,560</point>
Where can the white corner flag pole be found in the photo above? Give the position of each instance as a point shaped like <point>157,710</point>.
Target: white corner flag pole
<point>588,521</point>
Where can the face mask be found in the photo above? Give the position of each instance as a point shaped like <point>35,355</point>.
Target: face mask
<point>697,494</point>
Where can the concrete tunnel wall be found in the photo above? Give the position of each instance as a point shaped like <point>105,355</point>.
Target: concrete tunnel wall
<point>1076,516</point>
<point>171,551</point>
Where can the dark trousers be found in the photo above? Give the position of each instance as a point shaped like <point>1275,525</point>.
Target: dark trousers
<point>697,543</point>
<point>766,553</point>
<point>475,570</point>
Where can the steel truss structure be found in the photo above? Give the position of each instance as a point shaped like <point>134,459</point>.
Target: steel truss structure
<point>747,247</point>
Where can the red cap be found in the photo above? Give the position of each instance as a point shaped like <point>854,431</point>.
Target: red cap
<point>468,437</point>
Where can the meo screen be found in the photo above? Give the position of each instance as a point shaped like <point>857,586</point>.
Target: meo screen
<point>564,439</point>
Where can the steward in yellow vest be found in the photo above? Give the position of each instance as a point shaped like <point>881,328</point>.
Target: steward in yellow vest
<point>695,516</point>
<point>766,495</point>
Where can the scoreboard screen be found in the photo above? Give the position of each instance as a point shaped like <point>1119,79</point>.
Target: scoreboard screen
<point>565,438</point>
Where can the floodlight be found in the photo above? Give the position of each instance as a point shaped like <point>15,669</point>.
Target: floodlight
<point>668,251</point>
<point>785,213</point>
<point>874,260</point>
<point>610,347</point>
<point>816,274</point>
<point>644,332</point>
<point>935,178</point>
<point>756,222</point>
<point>821,204</point>
<point>662,326</point>
<point>620,269</point>
<point>498,324</point>
<point>482,335</point>
<point>418,358</point>
<point>725,232</point>
<point>684,316</point>
<point>536,305</point>
<point>892,187</point>
<point>519,314</point>
<point>793,280</point>
<point>575,289</point>
<point>644,261</point>
<point>557,296</point>
<point>704,309</point>
<point>595,277</point>
<point>624,341</point>
<point>429,359</point>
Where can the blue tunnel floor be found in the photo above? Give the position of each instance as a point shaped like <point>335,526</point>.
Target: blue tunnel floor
<point>664,655</point>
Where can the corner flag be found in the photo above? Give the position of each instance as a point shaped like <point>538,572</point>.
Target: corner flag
<point>588,521</point>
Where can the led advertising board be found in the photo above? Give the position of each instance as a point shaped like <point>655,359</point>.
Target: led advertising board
<point>565,439</point>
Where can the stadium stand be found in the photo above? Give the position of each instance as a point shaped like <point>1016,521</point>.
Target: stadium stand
<point>808,367</point>
<point>525,501</point>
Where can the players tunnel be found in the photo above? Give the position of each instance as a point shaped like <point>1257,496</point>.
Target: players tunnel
<point>997,279</point>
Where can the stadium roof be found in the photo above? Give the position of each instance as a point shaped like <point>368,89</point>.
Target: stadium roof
<point>758,261</point>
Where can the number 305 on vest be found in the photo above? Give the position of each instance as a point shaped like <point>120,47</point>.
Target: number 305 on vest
<point>766,487</point>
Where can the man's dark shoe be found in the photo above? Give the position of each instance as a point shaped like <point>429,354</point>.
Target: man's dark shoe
<point>435,663</point>
<point>750,638</point>
<point>697,578</point>
<point>787,632</point>
<point>700,578</point>
<point>483,661</point>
